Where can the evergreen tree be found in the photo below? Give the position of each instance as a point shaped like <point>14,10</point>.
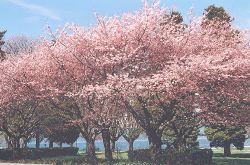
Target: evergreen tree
<point>176,17</point>
<point>2,54</point>
<point>172,17</point>
<point>217,13</point>
<point>218,18</point>
<point>60,131</point>
<point>182,132</point>
<point>224,136</point>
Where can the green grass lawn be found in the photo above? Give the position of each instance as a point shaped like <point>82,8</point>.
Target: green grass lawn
<point>238,158</point>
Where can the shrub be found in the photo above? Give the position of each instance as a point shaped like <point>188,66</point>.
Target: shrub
<point>139,155</point>
<point>176,157</point>
<point>33,153</point>
<point>6,154</point>
<point>202,156</point>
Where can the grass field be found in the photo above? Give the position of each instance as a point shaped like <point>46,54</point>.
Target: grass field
<point>238,158</point>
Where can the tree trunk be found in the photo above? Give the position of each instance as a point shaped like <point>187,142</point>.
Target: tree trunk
<point>131,145</point>
<point>8,142</point>
<point>113,145</point>
<point>106,142</point>
<point>90,150</point>
<point>11,144</point>
<point>50,144</point>
<point>18,143</point>
<point>227,149</point>
<point>37,140</point>
<point>60,144</point>
<point>22,143</point>
<point>149,140</point>
<point>16,149</point>
<point>25,143</point>
<point>155,146</point>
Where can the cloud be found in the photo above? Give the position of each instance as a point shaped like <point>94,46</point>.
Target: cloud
<point>43,11</point>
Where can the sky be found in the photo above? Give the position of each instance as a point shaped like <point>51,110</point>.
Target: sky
<point>31,17</point>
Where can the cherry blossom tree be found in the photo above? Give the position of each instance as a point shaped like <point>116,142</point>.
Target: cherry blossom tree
<point>21,121</point>
<point>105,113</point>
<point>136,62</point>
<point>21,105</point>
<point>19,44</point>
<point>169,66</point>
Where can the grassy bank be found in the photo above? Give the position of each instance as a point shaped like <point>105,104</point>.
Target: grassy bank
<point>238,158</point>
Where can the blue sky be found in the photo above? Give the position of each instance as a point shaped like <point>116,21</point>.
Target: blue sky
<point>30,17</point>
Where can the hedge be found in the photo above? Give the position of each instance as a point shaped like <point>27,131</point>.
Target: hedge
<point>176,157</point>
<point>33,153</point>
<point>188,157</point>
